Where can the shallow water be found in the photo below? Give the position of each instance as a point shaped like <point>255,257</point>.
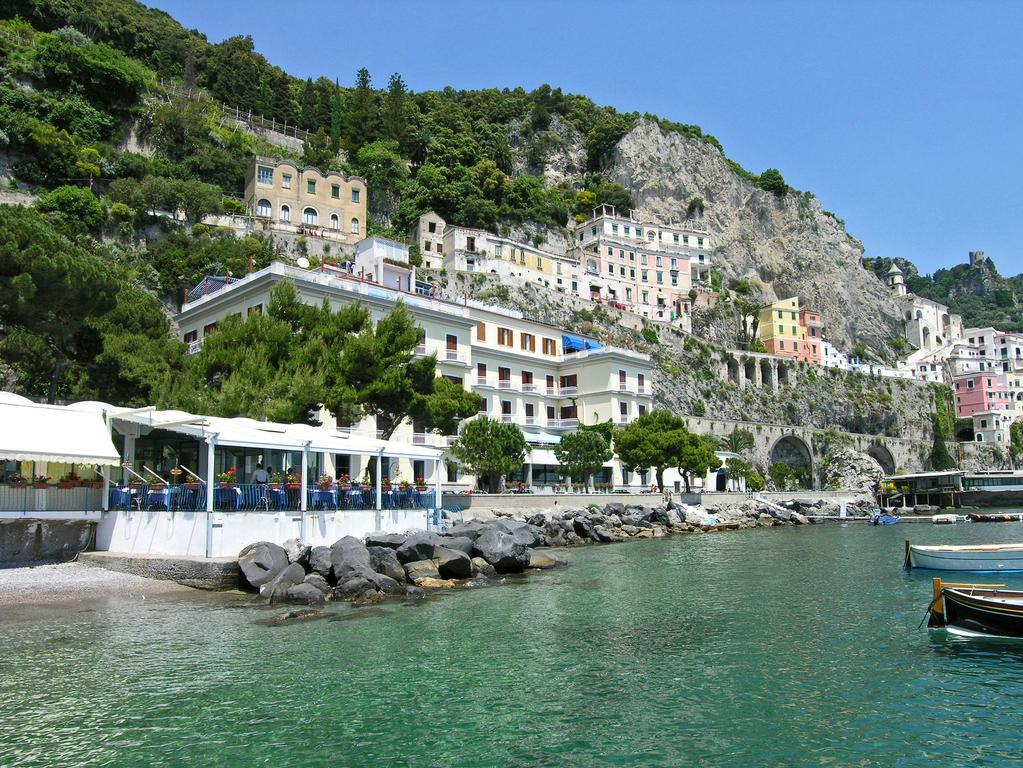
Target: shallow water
<point>779,646</point>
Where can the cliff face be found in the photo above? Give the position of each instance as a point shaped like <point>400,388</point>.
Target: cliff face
<point>787,243</point>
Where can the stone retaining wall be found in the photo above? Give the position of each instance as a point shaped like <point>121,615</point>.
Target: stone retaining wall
<point>28,540</point>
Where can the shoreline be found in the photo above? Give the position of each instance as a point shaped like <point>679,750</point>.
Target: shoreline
<point>48,584</point>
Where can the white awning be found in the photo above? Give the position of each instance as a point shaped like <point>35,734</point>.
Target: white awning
<point>243,432</point>
<point>542,456</point>
<point>54,433</point>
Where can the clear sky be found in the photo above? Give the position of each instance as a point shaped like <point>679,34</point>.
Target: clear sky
<point>903,118</point>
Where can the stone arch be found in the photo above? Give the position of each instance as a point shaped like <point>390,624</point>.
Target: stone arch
<point>783,373</point>
<point>733,370</point>
<point>793,451</point>
<point>926,337</point>
<point>766,374</point>
<point>880,453</point>
<point>749,370</point>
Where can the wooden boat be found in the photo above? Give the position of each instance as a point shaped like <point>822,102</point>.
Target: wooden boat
<point>975,558</point>
<point>976,610</point>
<point>1003,517</point>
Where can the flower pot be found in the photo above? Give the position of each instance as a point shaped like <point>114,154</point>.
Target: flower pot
<point>324,486</point>
<point>158,487</point>
<point>40,486</point>
<point>191,486</point>
<point>93,483</point>
<point>21,484</point>
<point>226,485</point>
<point>68,484</point>
<point>294,486</point>
<point>275,486</point>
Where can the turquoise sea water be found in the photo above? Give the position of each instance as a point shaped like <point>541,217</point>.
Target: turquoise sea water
<point>769,647</point>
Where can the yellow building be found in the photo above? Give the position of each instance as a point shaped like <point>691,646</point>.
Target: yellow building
<point>779,329</point>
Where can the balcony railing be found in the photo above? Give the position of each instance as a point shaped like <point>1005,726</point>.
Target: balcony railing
<point>27,499</point>
<point>563,423</point>
<point>504,384</point>
<point>641,389</point>
<point>529,387</point>
<point>455,356</point>
<point>623,387</point>
<point>431,438</point>
<point>482,381</point>
<point>420,351</point>
<point>551,391</point>
<point>507,418</point>
<point>623,419</point>
<point>531,421</point>
<point>567,391</point>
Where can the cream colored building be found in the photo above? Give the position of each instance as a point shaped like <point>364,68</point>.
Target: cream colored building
<point>521,368</point>
<point>293,198</point>
<point>429,235</point>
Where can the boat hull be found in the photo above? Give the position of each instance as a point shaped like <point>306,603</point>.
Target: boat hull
<point>980,615</point>
<point>974,560</point>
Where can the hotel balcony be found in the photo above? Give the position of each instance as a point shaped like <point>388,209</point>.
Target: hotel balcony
<point>623,419</point>
<point>528,388</point>
<point>483,381</point>
<point>453,356</point>
<point>569,391</point>
<point>562,423</point>
<point>430,438</point>
<point>507,418</point>
<point>504,384</point>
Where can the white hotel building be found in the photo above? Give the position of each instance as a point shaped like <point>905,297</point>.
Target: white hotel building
<point>520,367</point>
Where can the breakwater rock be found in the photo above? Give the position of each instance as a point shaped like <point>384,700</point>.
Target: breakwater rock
<point>475,553</point>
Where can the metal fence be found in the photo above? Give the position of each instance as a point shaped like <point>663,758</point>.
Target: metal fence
<point>240,497</point>
<point>51,498</point>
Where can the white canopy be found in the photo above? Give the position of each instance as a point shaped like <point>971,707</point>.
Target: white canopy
<point>66,435</point>
<point>248,433</point>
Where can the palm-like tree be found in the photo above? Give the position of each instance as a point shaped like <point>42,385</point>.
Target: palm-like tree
<point>738,441</point>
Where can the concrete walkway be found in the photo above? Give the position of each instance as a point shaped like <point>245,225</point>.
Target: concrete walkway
<point>198,572</point>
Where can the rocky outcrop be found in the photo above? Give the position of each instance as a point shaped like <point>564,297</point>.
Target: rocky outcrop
<point>788,243</point>
<point>849,470</point>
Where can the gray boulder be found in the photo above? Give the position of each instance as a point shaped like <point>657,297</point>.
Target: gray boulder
<point>387,585</point>
<point>348,555</point>
<point>603,535</point>
<point>452,564</point>
<point>419,546</point>
<point>319,560</point>
<point>521,531</point>
<point>297,551</point>
<point>421,569</point>
<point>262,562</point>
<point>481,567</point>
<point>471,530</point>
<point>317,581</point>
<point>384,560</point>
<point>305,593</point>
<point>502,551</point>
<point>459,543</point>
<point>583,528</point>
<point>850,470</point>
<point>276,590</point>
<point>390,540</point>
<point>614,508</point>
<point>353,587</point>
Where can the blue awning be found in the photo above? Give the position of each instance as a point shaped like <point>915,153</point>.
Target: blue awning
<point>573,343</point>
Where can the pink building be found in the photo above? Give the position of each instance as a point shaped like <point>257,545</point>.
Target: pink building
<point>982,391</point>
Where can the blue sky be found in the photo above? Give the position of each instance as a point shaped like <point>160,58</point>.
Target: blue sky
<point>903,118</point>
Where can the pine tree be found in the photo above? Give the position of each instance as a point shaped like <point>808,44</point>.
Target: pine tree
<point>394,119</point>
<point>363,117</point>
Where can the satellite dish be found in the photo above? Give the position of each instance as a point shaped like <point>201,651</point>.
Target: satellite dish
<point>303,262</point>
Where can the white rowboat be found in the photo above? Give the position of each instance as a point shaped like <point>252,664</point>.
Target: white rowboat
<point>976,558</point>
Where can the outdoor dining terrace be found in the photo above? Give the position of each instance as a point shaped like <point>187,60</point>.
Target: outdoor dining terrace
<point>240,497</point>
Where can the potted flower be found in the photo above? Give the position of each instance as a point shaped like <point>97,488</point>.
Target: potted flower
<point>95,482</point>
<point>41,482</point>
<point>325,482</point>
<point>344,481</point>
<point>404,484</point>
<point>420,483</point>
<point>292,482</point>
<point>276,480</point>
<point>68,480</point>
<point>367,482</point>
<point>386,483</point>
<point>228,478</point>
<point>17,481</point>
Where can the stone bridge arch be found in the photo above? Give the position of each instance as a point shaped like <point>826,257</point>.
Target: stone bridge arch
<point>793,451</point>
<point>880,453</point>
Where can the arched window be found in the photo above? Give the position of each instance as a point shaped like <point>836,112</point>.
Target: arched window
<point>285,213</point>
<point>310,217</point>
<point>335,223</point>
<point>263,208</point>
<point>355,226</point>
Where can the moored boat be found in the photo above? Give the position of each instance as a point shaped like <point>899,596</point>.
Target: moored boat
<point>1002,517</point>
<point>976,558</point>
<point>976,610</point>
<point>879,519</point>
<point>945,519</point>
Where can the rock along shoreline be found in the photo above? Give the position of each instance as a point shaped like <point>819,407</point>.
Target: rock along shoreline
<point>478,553</point>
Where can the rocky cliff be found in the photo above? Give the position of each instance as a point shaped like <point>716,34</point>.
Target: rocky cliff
<point>788,243</point>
